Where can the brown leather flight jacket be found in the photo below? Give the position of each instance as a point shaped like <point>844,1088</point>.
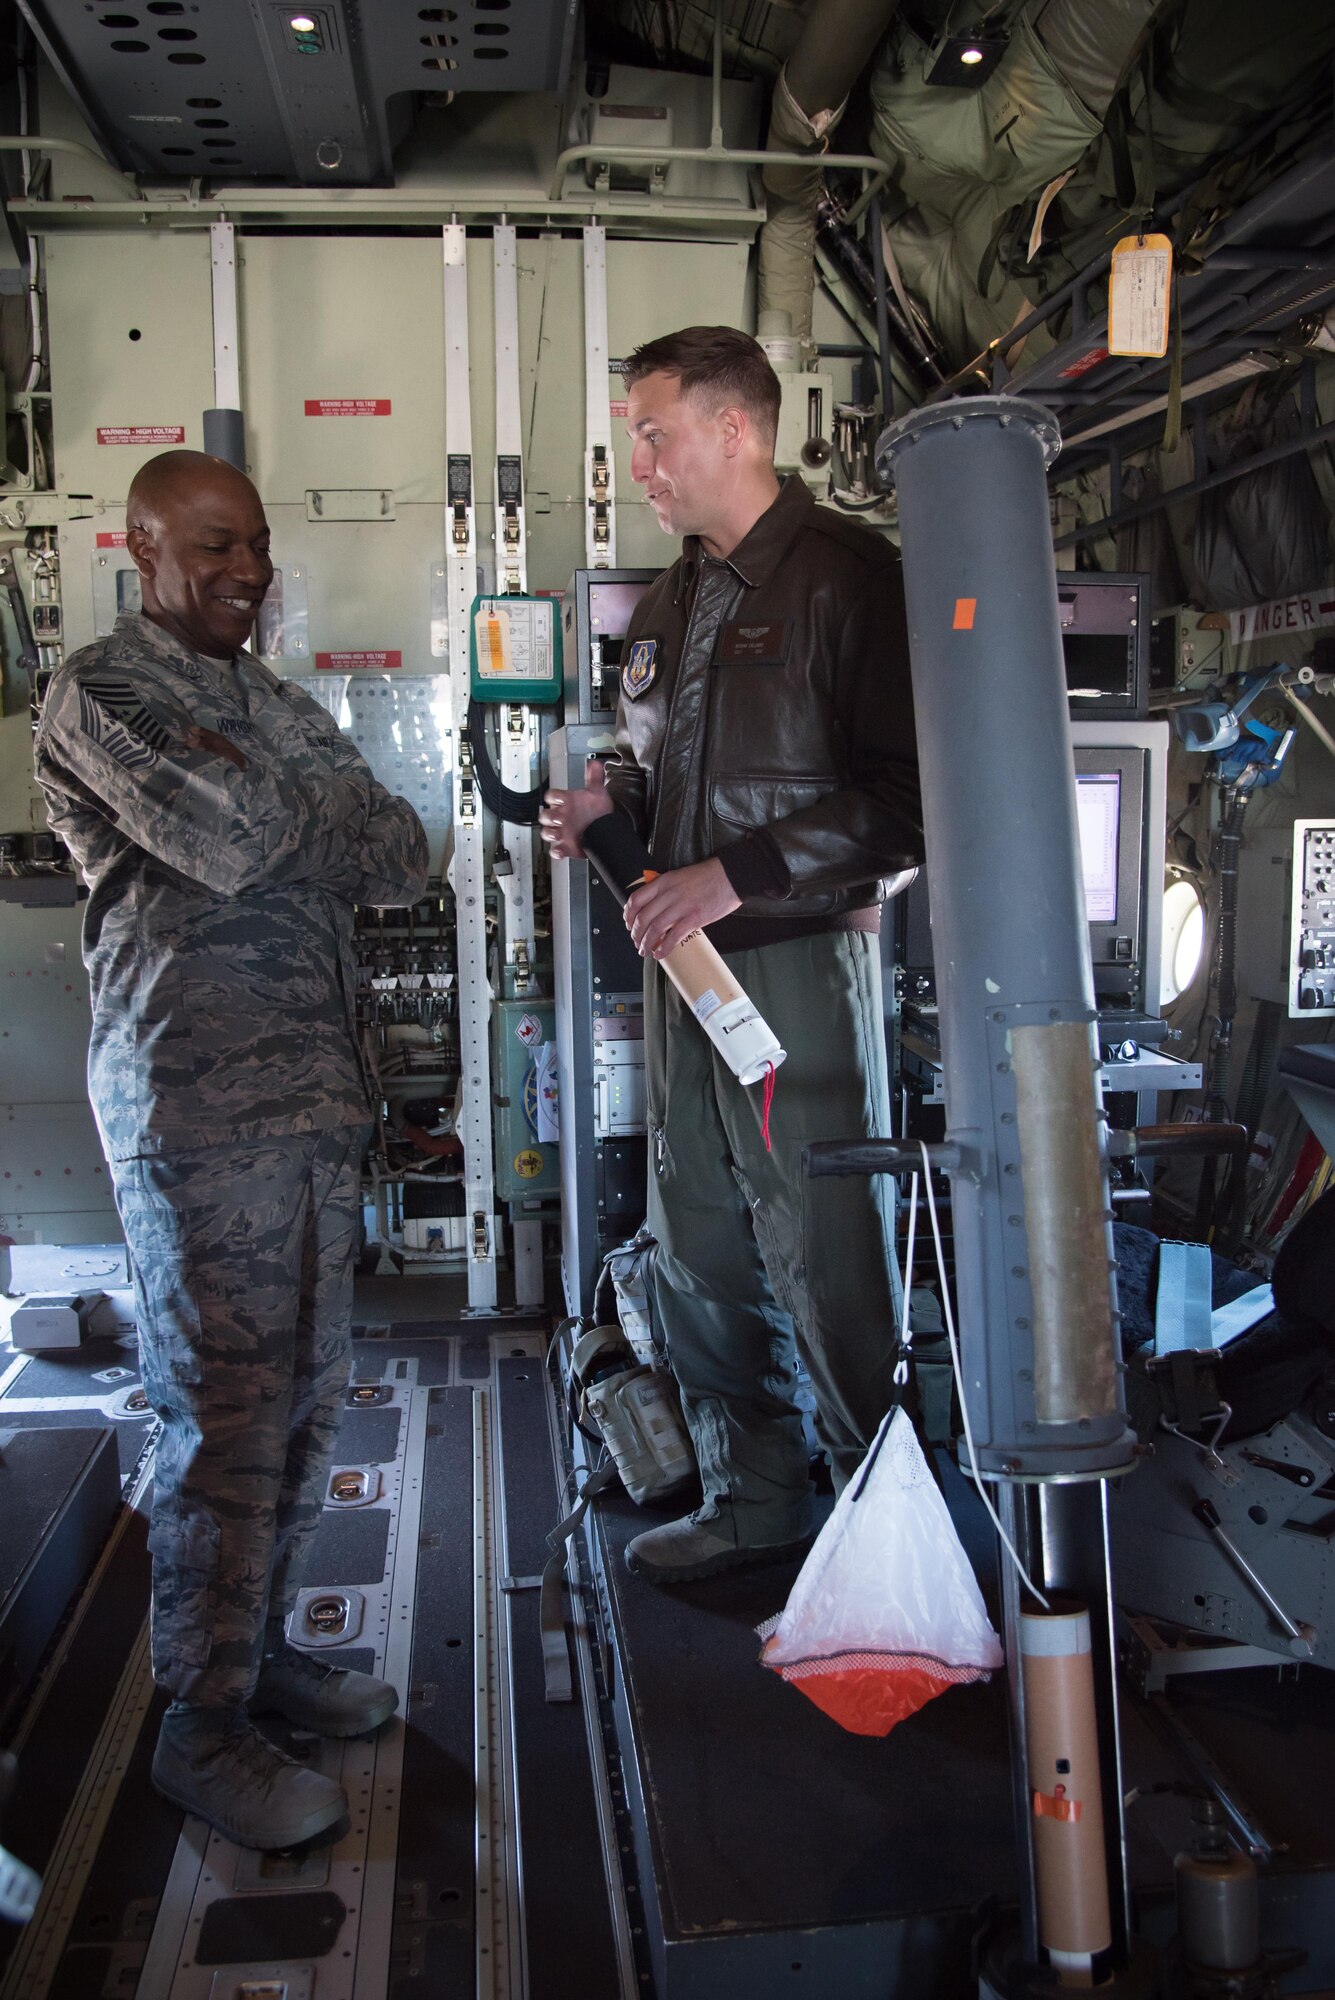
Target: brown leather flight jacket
<point>766,716</point>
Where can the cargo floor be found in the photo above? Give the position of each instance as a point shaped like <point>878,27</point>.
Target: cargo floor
<point>687,1826</point>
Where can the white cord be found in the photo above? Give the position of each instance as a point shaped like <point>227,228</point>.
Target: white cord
<point>901,1374</point>
<point>972,1472</point>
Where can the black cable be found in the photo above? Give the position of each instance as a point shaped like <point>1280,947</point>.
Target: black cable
<point>519,808</point>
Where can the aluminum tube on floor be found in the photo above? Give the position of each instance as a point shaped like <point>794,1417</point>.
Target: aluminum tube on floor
<point>1033,1246</point>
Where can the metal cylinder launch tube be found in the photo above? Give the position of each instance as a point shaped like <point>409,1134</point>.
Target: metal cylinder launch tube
<point>1033,1246</point>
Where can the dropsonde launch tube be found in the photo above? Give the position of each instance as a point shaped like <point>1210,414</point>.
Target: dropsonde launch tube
<point>742,1037</point>
<point>1033,1245</point>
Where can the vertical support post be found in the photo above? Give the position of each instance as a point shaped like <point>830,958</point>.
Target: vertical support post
<point>224,425</point>
<point>466,872</point>
<point>716,86</point>
<point>600,530</point>
<point>518,727</point>
<point>516,721</point>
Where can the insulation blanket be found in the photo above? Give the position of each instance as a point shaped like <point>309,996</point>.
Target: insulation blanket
<point>885,1613</point>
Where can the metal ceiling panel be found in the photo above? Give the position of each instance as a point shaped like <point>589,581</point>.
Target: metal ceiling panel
<point>317,94</point>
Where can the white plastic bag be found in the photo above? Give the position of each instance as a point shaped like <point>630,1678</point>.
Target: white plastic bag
<point>885,1613</point>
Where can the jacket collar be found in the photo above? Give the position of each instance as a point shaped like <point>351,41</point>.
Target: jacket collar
<point>157,640</point>
<point>760,552</point>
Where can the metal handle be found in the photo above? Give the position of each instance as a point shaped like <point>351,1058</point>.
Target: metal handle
<point>1208,1514</point>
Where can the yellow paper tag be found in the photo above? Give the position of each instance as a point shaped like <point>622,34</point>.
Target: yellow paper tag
<point>494,655</point>
<point>1138,296</point>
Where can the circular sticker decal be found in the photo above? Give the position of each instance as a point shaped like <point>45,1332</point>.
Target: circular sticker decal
<point>528,1164</point>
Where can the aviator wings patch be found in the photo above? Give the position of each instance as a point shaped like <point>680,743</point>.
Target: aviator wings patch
<point>115,717</point>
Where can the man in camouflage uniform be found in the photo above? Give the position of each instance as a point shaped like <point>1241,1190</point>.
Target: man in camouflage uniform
<point>225,829</point>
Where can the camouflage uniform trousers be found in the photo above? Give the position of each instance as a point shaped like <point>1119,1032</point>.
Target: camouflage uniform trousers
<point>242,1259</point>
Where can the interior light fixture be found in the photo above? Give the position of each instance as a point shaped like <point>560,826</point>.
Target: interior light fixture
<point>307,34</point>
<point>965,62</point>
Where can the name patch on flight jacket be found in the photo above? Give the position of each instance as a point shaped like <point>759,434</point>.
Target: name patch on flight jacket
<point>639,668</point>
<point>742,643</point>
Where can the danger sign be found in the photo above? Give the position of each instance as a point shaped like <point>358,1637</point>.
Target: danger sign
<point>528,1030</point>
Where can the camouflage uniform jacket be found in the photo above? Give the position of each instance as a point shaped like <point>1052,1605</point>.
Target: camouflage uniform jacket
<point>218,936</point>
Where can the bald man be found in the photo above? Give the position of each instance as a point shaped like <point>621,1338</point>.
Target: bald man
<point>225,829</point>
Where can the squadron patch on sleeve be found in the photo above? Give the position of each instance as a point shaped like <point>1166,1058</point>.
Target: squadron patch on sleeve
<point>114,716</point>
<point>641,664</point>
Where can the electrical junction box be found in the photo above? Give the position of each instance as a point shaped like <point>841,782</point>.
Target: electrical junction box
<point>1311,970</point>
<point>528,1167</point>
<point>48,1320</point>
<point>514,650</point>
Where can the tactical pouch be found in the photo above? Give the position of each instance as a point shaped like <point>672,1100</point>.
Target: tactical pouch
<point>635,1411</point>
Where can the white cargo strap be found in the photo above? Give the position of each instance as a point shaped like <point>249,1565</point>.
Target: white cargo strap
<point>515,721</point>
<point>558,1684</point>
<point>600,530</point>
<point>469,890</point>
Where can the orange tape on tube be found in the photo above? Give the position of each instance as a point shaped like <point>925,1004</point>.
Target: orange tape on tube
<point>1054,1806</point>
<point>964,610</point>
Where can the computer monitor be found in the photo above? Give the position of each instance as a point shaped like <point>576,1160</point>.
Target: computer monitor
<point>1121,771</point>
<point>1121,778</point>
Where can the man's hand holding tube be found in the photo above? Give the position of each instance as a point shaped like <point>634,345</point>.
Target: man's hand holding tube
<point>665,910</point>
<point>671,906</point>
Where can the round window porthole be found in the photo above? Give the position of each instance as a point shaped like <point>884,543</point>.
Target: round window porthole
<point>1183,939</point>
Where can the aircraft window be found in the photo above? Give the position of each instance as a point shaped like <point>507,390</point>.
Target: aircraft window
<point>1183,939</point>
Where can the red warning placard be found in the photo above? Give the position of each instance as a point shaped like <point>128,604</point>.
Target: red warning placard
<point>357,663</point>
<point>141,433</point>
<point>111,538</point>
<point>347,406</point>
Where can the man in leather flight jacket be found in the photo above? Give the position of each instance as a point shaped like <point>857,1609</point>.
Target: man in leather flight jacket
<point>765,750</point>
